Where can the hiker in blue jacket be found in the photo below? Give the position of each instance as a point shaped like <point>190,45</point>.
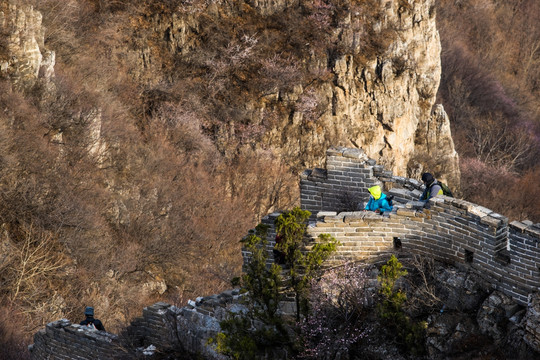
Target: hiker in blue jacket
<point>90,321</point>
<point>377,201</point>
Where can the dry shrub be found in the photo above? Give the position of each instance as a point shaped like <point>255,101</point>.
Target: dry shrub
<point>278,73</point>
<point>31,257</point>
<point>174,216</point>
<point>33,189</point>
<point>12,343</point>
<point>167,203</point>
<point>262,180</point>
<point>492,145</point>
<point>481,181</point>
<point>526,193</point>
<point>32,271</point>
<point>466,82</point>
<point>500,190</point>
<point>422,271</point>
<point>310,106</point>
<point>489,88</point>
<point>39,212</point>
<point>163,212</point>
<point>484,46</point>
<point>182,129</point>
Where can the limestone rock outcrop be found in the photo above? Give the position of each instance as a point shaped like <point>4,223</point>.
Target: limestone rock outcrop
<point>23,56</point>
<point>383,104</point>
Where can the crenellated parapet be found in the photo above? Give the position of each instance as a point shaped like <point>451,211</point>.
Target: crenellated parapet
<point>345,180</point>
<point>460,235</point>
<point>63,340</point>
<point>451,230</point>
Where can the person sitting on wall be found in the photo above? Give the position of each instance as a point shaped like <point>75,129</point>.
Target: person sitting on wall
<point>90,321</point>
<point>378,201</point>
<point>433,188</point>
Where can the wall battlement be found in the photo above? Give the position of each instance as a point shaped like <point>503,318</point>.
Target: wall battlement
<point>451,230</point>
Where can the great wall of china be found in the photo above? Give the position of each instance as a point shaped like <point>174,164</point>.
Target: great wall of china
<point>506,255</point>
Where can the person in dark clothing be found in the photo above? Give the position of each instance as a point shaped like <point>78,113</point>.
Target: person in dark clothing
<point>89,321</point>
<point>432,187</point>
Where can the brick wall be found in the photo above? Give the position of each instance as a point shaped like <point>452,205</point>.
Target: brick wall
<point>344,182</point>
<point>179,332</point>
<point>505,255</point>
<point>452,230</point>
<point>63,340</point>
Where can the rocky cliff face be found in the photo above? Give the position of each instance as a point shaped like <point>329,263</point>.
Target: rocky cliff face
<point>23,57</point>
<point>382,102</point>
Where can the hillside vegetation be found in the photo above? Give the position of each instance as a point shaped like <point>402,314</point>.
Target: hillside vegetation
<point>154,209</point>
<point>490,88</point>
<point>161,216</point>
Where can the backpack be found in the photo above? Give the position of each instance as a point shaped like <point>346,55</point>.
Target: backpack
<point>446,190</point>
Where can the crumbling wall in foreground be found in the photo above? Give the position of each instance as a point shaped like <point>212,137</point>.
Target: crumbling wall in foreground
<point>63,340</point>
<point>162,329</point>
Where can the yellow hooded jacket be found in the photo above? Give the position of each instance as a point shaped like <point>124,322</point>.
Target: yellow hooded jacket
<point>377,200</point>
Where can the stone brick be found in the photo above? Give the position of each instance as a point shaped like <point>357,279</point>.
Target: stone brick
<point>479,211</point>
<point>491,221</point>
<point>406,212</point>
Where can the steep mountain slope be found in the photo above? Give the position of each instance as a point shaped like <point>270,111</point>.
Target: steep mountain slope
<point>490,89</point>
<point>302,76</point>
<point>140,141</point>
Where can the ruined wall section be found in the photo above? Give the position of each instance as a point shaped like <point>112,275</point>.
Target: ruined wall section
<point>63,340</point>
<point>162,328</point>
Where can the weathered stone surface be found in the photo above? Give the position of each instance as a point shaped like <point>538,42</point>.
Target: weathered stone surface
<point>448,333</point>
<point>532,322</point>
<point>460,290</point>
<point>495,313</point>
<point>23,59</point>
<point>383,104</point>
